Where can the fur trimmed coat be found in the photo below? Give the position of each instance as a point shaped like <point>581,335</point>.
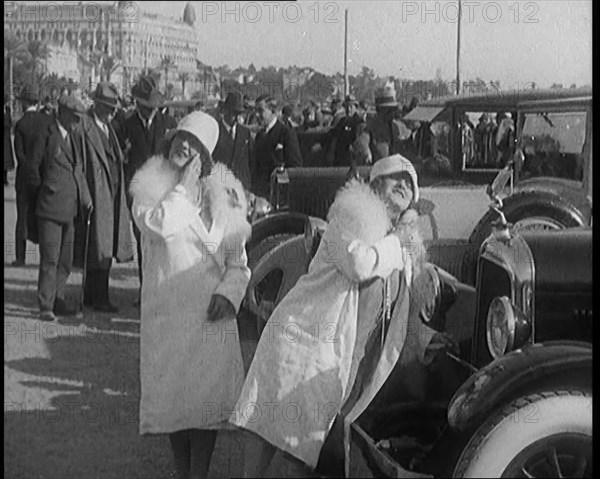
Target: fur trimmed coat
<point>303,367</point>
<point>191,369</point>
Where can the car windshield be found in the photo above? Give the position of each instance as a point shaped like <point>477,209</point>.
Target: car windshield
<point>553,144</point>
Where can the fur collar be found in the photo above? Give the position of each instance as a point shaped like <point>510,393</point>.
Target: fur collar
<point>224,195</point>
<point>364,216</point>
<point>360,211</point>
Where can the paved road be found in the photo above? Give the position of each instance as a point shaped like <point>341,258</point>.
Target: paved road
<point>71,391</point>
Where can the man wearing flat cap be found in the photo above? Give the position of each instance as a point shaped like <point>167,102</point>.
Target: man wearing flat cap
<point>275,144</point>
<point>235,147</point>
<point>28,130</point>
<point>141,136</point>
<point>63,196</point>
<point>109,235</point>
<point>344,135</point>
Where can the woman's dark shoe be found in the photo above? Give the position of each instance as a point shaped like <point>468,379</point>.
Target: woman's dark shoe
<point>62,309</point>
<point>47,316</point>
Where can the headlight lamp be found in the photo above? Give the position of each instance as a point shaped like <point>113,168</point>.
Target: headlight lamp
<point>500,326</point>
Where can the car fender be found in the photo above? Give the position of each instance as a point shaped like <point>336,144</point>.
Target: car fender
<point>526,201</point>
<point>275,224</point>
<point>514,374</point>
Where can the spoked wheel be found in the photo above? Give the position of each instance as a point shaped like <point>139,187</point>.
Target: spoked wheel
<point>537,223</point>
<point>560,455</point>
<point>541,435</point>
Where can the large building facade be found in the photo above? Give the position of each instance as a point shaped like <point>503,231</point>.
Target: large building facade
<point>137,41</point>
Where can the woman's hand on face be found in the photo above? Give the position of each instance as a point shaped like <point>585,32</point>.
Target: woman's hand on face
<point>190,176</point>
<point>220,308</point>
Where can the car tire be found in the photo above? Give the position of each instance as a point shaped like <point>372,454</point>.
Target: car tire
<point>266,245</point>
<point>517,433</point>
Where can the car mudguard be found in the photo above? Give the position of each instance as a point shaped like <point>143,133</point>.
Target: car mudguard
<point>518,372</point>
<point>531,203</point>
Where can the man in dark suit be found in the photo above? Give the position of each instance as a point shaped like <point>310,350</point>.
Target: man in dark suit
<point>275,144</point>
<point>141,136</point>
<point>110,235</point>
<point>28,130</point>
<point>235,146</point>
<point>345,133</point>
<point>63,195</point>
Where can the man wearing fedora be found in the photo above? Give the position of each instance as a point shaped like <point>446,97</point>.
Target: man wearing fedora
<point>235,145</point>
<point>109,235</point>
<point>380,129</point>
<point>28,131</point>
<point>63,196</point>
<point>140,136</point>
<point>275,144</point>
<point>344,135</point>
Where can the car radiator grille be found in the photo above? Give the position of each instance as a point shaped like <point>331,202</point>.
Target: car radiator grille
<point>492,281</point>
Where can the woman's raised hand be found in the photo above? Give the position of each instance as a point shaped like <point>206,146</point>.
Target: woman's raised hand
<point>190,176</point>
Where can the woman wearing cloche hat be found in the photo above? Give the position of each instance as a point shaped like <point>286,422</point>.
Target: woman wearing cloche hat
<point>367,257</point>
<point>192,218</point>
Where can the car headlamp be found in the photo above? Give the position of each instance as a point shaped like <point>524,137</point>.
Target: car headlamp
<point>500,326</point>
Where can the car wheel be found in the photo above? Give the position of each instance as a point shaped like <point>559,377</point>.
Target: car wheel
<point>266,245</point>
<point>540,435</point>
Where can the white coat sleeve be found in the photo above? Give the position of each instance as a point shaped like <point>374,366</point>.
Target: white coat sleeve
<point>237,274</point>
<point>174,213</point>
<point>361,262</point>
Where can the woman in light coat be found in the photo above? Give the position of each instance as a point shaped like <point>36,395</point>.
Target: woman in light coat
<point>305,363</point>
<point>192,218</point>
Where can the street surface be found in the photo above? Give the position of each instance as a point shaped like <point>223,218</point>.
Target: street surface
<point>71,390</point>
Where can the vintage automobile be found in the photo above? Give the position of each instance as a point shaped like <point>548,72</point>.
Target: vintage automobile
<point>554,190</point>
<point>517,400</point>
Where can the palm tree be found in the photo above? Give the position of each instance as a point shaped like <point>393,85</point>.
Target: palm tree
<point>13,49</point>
<point>38,52</point>
<point>166,64</point>
<point>183,78</point>
<point>110,64</point>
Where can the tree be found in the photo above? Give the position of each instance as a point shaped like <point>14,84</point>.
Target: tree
<point>38,53</point>
<point>110,65</point>
<point>183,78</point>
<point>14,49</point>
<point>167,63</point>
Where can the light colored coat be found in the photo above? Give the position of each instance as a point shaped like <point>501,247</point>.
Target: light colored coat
<point>303,366</point>
<point>191,369</point>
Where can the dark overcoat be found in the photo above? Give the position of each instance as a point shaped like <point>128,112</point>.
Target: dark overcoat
<point>110,228</point>
<point>237,154</point>
<point>64,191</point>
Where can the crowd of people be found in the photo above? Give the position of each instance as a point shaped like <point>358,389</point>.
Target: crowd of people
<point>85,174</point>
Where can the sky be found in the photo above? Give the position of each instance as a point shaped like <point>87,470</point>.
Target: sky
<point>515,42</point>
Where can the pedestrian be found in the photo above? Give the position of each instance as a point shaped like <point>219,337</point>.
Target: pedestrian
<point>235,147</point>
<point>193,227</point>
<point>9,157</point>
<point>337,112</point>
<point>109,235</point>
<point>286,116</point>
<point>344,135</point>
<point>140,137</point>
<point>380,128</point>
<point>28,131</point>
<point>63,196</point>
<point>371,225</point>
<point>275,144</point>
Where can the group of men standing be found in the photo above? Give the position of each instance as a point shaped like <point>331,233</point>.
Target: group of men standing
<point>74,171</point>
<point>71,182</point>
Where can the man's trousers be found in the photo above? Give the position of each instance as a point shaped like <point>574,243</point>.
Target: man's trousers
<point>56,258</point>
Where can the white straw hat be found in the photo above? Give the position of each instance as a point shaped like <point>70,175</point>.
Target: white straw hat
<point>202,126</point>
<point>396,164</point>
